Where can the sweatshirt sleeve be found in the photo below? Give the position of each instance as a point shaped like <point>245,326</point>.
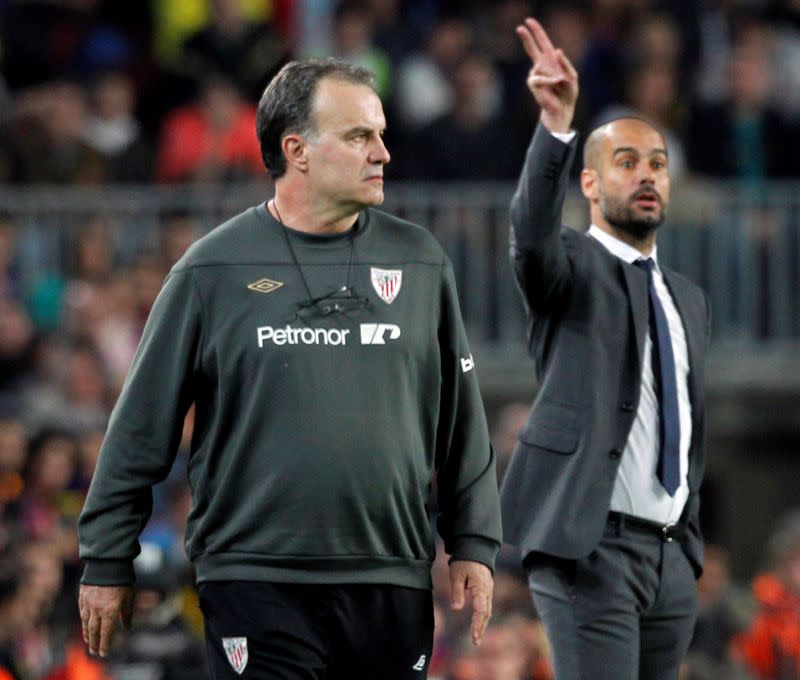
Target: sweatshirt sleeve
<point>143,435</point>
<point>469,509</point>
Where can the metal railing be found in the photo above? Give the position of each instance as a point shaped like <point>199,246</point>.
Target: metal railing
<point>742,247</point>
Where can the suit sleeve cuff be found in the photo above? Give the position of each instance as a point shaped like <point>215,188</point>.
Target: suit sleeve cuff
<point>473,549</point>
<point>108,573</point>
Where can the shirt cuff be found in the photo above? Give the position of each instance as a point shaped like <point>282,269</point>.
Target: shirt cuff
<point>565,137</point>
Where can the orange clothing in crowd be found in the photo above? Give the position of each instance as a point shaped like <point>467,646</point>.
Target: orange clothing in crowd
<point>188,143</point>
<point>78,665</point>
<point>771,647</point>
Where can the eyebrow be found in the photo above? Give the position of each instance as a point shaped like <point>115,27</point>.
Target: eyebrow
<point>630,149</point>
<point>359,130</point>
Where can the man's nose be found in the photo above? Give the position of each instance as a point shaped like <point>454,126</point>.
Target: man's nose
<point>379,153</point>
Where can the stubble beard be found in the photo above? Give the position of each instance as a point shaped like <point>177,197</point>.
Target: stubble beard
<point>623,215</point>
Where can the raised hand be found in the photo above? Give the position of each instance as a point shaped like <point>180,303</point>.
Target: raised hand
<point>552,79</point>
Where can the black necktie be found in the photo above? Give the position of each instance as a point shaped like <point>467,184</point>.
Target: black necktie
<point>669,465</point>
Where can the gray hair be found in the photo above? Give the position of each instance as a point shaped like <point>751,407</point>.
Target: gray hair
<point>286,105</point>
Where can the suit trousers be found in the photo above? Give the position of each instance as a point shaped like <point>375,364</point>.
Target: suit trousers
<point>624,612</point>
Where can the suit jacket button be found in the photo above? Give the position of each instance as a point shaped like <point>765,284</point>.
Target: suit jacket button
<point>614,453</point>
<point>626,406</point>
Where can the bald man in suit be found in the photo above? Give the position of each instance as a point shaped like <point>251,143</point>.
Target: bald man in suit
<point>602,492</point>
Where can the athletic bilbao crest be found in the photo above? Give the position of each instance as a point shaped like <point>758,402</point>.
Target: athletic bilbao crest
<point>236,651</point>
<point>386,283</point>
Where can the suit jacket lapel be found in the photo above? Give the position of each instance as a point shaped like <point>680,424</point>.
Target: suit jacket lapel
<point>636,283</point>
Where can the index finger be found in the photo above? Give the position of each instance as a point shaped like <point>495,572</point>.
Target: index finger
<point>481,612</point>
<point>540,35</point>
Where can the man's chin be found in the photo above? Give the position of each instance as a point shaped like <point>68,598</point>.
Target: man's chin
<point>638,225</point>
<point>647,219</point>
<point>374,199</point>
<point>640,229</point>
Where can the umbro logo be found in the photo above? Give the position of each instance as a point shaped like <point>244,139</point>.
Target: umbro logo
<point>264,285</point>
<point>420,665</point>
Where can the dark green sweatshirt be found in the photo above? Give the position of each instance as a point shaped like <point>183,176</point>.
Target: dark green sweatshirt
<point>318,430</point>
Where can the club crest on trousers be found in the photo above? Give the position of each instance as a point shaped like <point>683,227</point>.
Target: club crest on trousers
<point>386,282</point>
<point>236,651</point>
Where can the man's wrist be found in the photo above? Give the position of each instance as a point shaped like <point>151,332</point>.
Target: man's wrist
<point>108,573</point>
<point>557,125</point>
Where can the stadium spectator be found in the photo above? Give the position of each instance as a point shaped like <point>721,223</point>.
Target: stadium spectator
<point>475,140</point>
<point>10,279</point>
<point>39,646</point>
<point>501,656</point>
<point>655,39</point>
<point>113,325</point>
<point>786,58</point>
<point>16,616</point>
<point>354,41</point>
<point>79,401</point>
<point>771,646</point>
<point>602,75</point>
<point>398,27</point>
<point>16,346</point>
<point>175,21</point>
<point>423,88</point>
<point>178,232</point>
<point>652,91</point>
<point>530,630</point>
<point>13,456</point>
<point>248,52</point>
<point>42,41</point>
<point>211,139</point>
<point>53,149</point>
<point>724,610</point>
<point>744,137</point>
<point>48,507</point>
<point>113,131</point>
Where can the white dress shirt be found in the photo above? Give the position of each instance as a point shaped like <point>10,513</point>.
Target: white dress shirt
<point>637,490</point>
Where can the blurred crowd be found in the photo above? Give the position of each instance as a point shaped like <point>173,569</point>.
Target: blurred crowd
<point>95,92</point>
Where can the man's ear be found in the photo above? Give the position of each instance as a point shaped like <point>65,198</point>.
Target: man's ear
<point>295,150</point>
<point>590,184</point>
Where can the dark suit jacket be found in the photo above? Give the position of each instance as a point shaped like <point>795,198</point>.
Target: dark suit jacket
<point>589,316</point>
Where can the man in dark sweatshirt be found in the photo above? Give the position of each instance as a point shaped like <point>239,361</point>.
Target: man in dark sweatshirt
<point>322,345</point>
